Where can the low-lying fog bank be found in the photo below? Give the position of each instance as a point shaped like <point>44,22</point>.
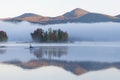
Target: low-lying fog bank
<point>77,31</point>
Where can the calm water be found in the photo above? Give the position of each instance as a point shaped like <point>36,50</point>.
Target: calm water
<point>92,51</point>
<point>71,61</point>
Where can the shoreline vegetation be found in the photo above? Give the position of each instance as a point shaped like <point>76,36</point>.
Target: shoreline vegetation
<point>41,36</point>
<point>3,36</point>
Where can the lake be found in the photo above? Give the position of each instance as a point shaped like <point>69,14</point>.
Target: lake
<point>71,61</point>
<point>92,53</point>
<point>80,51</point>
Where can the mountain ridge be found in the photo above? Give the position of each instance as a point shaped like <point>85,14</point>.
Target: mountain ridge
<point>28,15</point>
<point>76,15</point>
<point>118,16</point>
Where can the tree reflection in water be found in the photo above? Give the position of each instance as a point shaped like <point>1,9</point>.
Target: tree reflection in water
<point>49,52</point>
<point>2,49</point>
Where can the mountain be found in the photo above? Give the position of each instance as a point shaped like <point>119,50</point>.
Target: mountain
<point>118,16</point>
<point>32,17</point>
<point>96,17</point>
<point>76,15</point>
<point>28,15</point>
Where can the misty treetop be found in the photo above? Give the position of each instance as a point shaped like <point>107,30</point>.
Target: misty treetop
<point>40,35</point>
<point>3,36</point>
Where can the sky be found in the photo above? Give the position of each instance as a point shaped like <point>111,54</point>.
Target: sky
<point>11,8</point>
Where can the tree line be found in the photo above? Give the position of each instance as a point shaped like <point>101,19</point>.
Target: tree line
<point>40,35</point>
<point>3,36</point>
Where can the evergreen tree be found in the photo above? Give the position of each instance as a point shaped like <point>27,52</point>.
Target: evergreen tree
<point>37,35</point>
<point>3,36</point>
<point>50,35</point>
<point>46,36</point>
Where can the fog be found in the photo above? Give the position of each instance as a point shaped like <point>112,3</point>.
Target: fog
<point>77,31</point>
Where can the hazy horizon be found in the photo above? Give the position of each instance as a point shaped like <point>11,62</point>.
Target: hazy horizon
<point>54,7</point>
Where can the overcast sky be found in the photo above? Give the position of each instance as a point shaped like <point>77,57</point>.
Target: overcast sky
<point>11,8</point>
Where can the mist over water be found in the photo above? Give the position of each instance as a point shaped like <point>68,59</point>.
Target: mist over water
<point>86,51</point>
<point>77,31</point>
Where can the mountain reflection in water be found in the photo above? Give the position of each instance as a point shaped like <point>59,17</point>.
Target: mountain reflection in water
<point>75,59</point>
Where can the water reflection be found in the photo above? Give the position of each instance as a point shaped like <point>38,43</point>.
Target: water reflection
<point>2,49</point>
<point>75,59</point>
<point>49,52</point>
<point>46,56</point>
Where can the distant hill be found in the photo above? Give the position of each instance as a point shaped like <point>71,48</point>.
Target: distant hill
<point>118,16</point>
<point>95,17</point>
<point>31,17</point>
<point>76,15</point>
<point>28,15</point>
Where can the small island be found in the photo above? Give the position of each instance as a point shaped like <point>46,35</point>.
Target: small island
<point>3,36</point>
<point>39,35</point>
